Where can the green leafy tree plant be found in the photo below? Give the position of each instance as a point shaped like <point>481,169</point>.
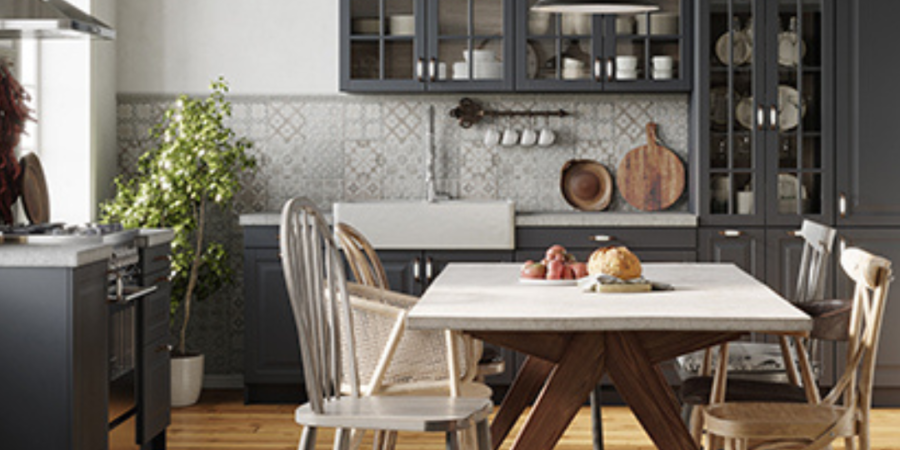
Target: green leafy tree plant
<point>195,165</point>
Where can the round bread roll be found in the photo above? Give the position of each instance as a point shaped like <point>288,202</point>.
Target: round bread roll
<point>616,261</point>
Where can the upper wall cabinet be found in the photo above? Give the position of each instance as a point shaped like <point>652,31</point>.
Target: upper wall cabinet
<point>766,111</point>
<point>867,111</point>
<point>582,52</point>
<point>426,45</point>
<point>501,46</point>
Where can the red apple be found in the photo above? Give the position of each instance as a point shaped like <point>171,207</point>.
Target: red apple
<point>533,270</point>
<point>555,270</point>
<point>556,249</point>
<point>579,269</point>
<point>568,274</point>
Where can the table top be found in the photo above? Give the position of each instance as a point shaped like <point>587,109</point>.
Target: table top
<point>707,297</point>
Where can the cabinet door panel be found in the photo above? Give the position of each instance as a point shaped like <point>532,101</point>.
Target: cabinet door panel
<point>154,391</point>
<point>867,104</point>
<point>272,353</point>
<point>884,243</point>
<point>744,247</point>
<point>404,271</point>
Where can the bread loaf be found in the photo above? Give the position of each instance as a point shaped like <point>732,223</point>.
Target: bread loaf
<point>615,261</point>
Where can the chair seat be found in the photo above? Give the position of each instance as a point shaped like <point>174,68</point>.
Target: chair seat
<point>397,413</point>
<point>437,389</point>
<point>776,420</point>
<point>696,391</point>
<point>831,318</point>
<point>743,357</point>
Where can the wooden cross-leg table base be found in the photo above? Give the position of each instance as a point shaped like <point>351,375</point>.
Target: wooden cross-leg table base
<point>563,368</point>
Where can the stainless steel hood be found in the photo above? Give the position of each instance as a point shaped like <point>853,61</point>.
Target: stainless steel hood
<point>44,19</point>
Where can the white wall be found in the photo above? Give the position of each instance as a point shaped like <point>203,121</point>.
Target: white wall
<point>260,46</point>
<point>77,113</point>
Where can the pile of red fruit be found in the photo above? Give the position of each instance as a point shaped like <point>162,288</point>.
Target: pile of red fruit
<point>556,265</point>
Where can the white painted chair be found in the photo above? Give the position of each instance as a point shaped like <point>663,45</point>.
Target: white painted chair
<point>779,378</point>
<point>844,412</point>
<point>324,307</point>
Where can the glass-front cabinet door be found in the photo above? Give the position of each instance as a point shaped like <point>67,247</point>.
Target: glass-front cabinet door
<point>734,134</point>
<point>799,65</point>
<point>650,51</point>
<point>583,52</point>
<point>383,45</point>
<point>470,45</point>
<point>766,112</point>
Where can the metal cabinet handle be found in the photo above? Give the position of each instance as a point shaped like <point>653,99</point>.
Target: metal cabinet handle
<point>420,70</point>
<point>610,68</point>
<point>162,279</point>
<point>417,272</point>
<point>760,118</point>
<point>600,238</point>
<point>795,233</point>
<point>598,70</point>
<point>773,118</point>
<point>432,69</point>
<point>731,233</point>
<point>842,205</point>
<point>161,258</point>
<point>163,348</point>
<point>429,269</point>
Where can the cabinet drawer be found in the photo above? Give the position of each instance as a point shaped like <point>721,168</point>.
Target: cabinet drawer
<point>261,237</point>
<point>155,259</point>
<point>585,237</point>
<point>154,391</point>
<point>155,313</point>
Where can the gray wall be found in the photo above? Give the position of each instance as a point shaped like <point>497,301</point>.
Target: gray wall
<point>336,147</point>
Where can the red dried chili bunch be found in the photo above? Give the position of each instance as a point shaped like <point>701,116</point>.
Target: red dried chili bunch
<point>14,112</point>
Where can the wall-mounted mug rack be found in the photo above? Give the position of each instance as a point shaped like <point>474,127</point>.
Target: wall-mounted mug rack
<point>469,112</point>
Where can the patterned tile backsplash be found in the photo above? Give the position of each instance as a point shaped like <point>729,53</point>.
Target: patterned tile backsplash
<point>349,148</point>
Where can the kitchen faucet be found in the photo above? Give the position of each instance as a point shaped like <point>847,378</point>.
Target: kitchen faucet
<point>431,194</point>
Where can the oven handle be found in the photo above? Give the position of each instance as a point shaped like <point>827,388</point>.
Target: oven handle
<point>131,294</point>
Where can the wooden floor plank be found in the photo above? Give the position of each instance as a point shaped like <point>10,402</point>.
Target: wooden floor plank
<point>222,421</point>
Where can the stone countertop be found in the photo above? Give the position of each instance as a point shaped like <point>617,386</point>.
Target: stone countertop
<point>546,219</point>
<point>52,255</point>
<point>151,237</point>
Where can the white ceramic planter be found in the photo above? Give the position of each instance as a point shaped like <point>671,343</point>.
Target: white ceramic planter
<point>187,379</point>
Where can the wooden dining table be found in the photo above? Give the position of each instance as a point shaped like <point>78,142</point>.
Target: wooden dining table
<point>572,338</point>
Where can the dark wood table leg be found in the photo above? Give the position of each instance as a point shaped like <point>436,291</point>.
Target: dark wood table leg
<point>643,386</point>
<point>525,388</point>
<point>569,385</point>
<point>597,417</point>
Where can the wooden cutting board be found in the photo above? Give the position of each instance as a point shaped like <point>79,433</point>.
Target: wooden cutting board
<point>35,198</point>
<point>651,177</point>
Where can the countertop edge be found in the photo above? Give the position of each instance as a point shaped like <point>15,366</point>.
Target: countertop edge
<point>52,255</point>
<point>151,237</point>
<point>549,219</point>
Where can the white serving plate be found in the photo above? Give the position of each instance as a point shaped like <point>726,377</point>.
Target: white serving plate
<point>536,282</point>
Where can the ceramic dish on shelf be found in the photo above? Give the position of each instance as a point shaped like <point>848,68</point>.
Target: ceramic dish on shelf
<point>366,25</point>
<point>402,25</point>
<point>537,282</point>
<point>531,60</point>
<point>743,112</point>
<point>787,193</point>
<point>791,49</point>
<point>742,48</point>
<point>789,108</point>
<point>718,104</point>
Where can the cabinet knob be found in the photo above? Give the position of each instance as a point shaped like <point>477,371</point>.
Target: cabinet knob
<point>417,272</point>
<point>600,238</point>
<point>429,269</point>
<point>432,69</point>
<point>773,118</point>
<point>420,70</point>
<point>731,233</point>
<point>842,205</point>
<point>760,118</point>
<point>598,70</point>
<point>610,68</point>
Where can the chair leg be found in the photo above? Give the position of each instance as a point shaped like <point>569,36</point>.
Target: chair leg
<point>342,439</point>
<point>483,432</point>
<point>696,424</point>
<point>307,439</point>
<point>849,444</point>
<point>452,440</point>
<point>377,440</point>
<point>390,440</point>
<point>356,438</point>
<point>597,417</point>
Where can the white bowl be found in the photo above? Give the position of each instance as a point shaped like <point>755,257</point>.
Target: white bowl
<point>488,70</point>
<point>569,73</point>
<point>663,62</point>
<point>626,74</point>
<point>403,25</point>
<point>480,55</point>
<point>662,74</point>
<point>572,63</point>
<point>626,63</point>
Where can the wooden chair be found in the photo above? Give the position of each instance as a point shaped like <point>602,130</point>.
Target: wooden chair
<point>782,382</point>
<point>368,270</point>
<point>324,308</point>
<point>844,412</point>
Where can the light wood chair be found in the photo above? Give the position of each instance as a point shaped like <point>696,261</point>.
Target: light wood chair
<point>368,270</point>
<point>844,412</point>
<point>784,382</point>
<point>324,309</point>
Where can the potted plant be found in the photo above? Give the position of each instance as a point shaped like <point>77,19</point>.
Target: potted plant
<point>195,166</point>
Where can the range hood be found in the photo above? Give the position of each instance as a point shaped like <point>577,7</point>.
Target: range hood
<point>44,19</point>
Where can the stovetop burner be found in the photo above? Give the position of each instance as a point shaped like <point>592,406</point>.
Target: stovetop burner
<point>59,233</point>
